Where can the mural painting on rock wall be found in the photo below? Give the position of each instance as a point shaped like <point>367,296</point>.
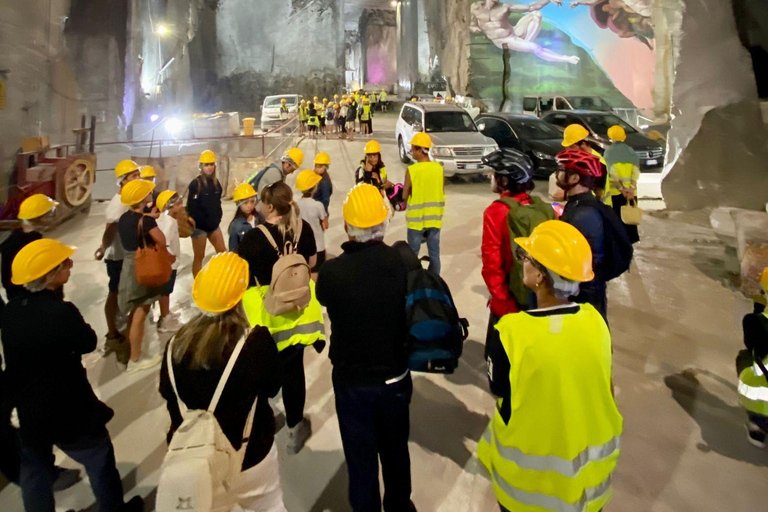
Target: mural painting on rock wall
<point>601,48</point>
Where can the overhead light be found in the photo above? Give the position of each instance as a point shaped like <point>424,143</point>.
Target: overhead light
<point>174,126</point>
<point>162,30</point>
<point>153,118</point>
<point>394,3</point>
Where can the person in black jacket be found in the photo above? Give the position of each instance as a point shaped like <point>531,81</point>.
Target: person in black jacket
<point>364,290</point>
<point>577,176</point>
<point>48,386</point>
<point>204,206</point>
<point>199,353</point>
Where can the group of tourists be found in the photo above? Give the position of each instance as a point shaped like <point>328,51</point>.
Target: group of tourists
<point>339,116</point>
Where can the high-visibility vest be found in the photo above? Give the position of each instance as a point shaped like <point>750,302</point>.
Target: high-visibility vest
<point>561,445</point>
<point>753,388</point>
<point>426,204</point>
<point>626,173</point>
<point>303,113</point>
<point>383,96</point>
<point>297,328</point>
<point>607,194</point>
<point>366,114</point>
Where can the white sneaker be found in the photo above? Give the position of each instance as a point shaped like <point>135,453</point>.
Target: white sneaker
<point>169,323</point>
<point>144,364</point>
<point>298,435</point>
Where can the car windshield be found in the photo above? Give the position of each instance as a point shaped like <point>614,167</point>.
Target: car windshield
<point>449,122</point>
<point>600,124</point>
<point>589,103</point>
<point>535,130</point>
<point>275,102</point>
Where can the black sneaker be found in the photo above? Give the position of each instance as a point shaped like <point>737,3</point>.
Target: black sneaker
<point>755,435</point>
<point>135,504</point>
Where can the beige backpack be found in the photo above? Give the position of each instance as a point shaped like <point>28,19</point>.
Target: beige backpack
<point>289,290</point>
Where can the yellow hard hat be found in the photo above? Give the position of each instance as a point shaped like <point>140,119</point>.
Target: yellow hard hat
<point>147,171</point>
<point>135,191</point>
<point>207,157</point>
<point>574,133</point>
<point>325,100</point>
<point>315,98</point>
<point>38,258</point>
<point>283,100</point>
<point>561,248</point>
<point>125,167</point>
<point>344,96</point>
<point>303,102</point>
<point>323,159</point>
<point>36,206</point>
<point>221,284</point>
<point>364,207</point>
<point>163,198</point>
<point>764,280</point>
<point>295,155</point>
<point>421,140</point>
<point>337,106</point>
<point>372,147</point>
<point>335,96</point>
<point>307,180</point>
<point>617,133</point>
<point>243,192</point>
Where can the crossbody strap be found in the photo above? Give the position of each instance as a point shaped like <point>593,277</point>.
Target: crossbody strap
<point>169,360</point>
<point>225,375</point>
<point>269,237</point>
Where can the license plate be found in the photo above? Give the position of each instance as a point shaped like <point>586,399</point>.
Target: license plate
<point>651,162</point>
<point>273,116</point>
<point>470,167</point>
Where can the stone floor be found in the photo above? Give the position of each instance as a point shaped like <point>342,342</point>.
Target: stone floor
<point>676,328</point>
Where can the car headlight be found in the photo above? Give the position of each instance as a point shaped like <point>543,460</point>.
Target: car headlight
<point>441,151</point>
<point>489,149</point>
<point>543,156</point>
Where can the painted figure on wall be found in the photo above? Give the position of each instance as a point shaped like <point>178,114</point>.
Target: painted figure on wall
<point>491,17</point>
<point>626,18</point>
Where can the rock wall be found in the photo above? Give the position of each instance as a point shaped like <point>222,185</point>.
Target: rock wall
<point>448,29</point>
<point>379,30</point>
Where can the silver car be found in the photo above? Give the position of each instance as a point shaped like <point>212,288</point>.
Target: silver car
<point>457,144</point>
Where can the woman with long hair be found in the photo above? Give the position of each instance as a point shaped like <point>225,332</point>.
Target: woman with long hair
<point>204,206</point>
<point>372,169</point>
<point>246,217</point>
<point>199,353</point>
<point>292,331</point>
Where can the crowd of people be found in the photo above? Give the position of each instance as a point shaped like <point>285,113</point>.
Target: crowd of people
<point>553,442</point>
<point>343,116</point>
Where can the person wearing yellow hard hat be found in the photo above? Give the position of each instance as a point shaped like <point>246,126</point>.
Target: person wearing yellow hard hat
<point>321,112</point>
<point>372,169</point>
<point>33,213</point>
<point>424,194</point>
<point>44,339</point>
<point>219,346</point>
<point>148,173</point>
<point>383,100</point>
<point>271,174</point>
<point>204,206</point>
<point>303,117</point>
<point>111,251</point>
<point>246,217</point>
<point>576,136</point>
<point>351,116</point>
<point>313,120</point>
<point>284,231</point>
<point>325,187</point>
<point>623,165</point>
<point>554,440</point>
<point>313,212</point>
<point>366,117</point>
<point>364,291</point>
<point>137,229</point>
<point>171,208</point>
<point>751,368</point>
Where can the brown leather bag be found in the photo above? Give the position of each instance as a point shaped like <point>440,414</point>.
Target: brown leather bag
<point>151,264</point>
<point>186,224</point>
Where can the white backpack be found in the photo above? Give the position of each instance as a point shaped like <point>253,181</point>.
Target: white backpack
<point>289,290</point>
<point>200,458</point>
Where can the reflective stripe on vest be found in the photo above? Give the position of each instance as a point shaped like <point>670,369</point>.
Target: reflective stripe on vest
<point>299,328</point>
<point>426,204</point>
<point>561,447</point>
<point>753,389</point>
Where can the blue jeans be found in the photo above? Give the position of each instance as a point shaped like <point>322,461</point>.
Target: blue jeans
<point>93,451</point>
<point>374,425</point>
<point>432,236</point>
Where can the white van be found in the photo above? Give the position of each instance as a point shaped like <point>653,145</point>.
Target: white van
<point>541,105</point>
<point>270,110</point>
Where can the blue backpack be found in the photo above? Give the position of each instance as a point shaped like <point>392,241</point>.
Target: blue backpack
<point>436,333</point>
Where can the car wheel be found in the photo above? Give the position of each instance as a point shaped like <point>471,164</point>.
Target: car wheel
<point>403,154</point>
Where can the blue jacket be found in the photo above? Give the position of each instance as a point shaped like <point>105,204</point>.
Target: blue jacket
<point>237,229</point>
<point>581,212</point>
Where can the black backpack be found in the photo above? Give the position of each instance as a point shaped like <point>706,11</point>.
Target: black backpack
<point>618,246</point>
<point>436,334</point>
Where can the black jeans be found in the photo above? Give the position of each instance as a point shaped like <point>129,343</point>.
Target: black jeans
<point>294,385</point>
<point>9,450</point>
<point>374,424</point>
<point>93,451</point>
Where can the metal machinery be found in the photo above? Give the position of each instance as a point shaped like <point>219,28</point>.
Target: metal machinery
<point>64,175</point>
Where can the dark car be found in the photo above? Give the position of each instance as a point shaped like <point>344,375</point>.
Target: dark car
<point>651,153</point>
<point>539,140</point>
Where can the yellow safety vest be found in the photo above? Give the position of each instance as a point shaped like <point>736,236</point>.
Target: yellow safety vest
<point>607,194</point>
<point>303,113</point>
<point>561,445</point>
<point>426,204</point>
<point>626,174</point>
<point>299,328</point>
<point>753,388</point>
<point>321,112</point>
<point>383,96</point>
<point>366,114</point>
